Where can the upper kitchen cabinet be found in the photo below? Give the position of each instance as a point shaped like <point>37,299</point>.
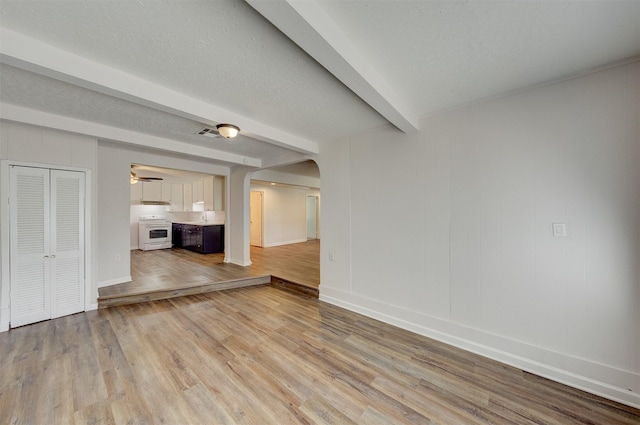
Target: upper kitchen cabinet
<point>177,199</point>
<point>218,193</point>
<point>136,193</point>
<point>198,191</point>
<point>208,193</point>
<point>166,194</point>
<point>188,196</point>
<point>151,191</point>
<point>213,193</point>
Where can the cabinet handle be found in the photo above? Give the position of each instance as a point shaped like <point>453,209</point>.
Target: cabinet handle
<point>46,257</point>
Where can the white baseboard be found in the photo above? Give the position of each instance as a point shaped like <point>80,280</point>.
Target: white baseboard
<point>237,262</point>
<point>269,245</point>
<point>606,381</point>
<point>110,282</point>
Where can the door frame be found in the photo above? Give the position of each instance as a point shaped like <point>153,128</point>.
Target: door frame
<point>90,294</point>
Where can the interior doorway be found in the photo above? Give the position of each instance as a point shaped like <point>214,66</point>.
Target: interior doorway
<point>312,217</point>
<point>256,206</point>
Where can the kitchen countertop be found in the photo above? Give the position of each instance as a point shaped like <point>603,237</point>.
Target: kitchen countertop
<point>201,223</point>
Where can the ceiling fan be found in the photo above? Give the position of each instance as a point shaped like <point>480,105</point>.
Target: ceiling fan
<point>135,179</point>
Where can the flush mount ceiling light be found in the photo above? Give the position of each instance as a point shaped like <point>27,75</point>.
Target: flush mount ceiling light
<point>227,130</point>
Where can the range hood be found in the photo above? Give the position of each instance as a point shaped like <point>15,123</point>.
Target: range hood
<point>155,203</point>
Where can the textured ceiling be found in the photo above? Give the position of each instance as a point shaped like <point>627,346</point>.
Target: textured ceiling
<point>45,94</point>
<point>224,56</point>
<point>439,54</point>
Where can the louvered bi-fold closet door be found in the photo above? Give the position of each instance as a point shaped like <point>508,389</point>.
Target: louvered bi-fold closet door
<point>30,245</point>
<point>67,242</point>
<point>47,244</point>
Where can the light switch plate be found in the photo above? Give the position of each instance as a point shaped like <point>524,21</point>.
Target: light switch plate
<point>559,229</point>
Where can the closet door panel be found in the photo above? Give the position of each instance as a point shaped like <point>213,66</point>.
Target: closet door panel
<point>67,242</point>
<point>30,245</point>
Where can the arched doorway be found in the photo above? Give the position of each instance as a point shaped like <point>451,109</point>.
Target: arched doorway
<point>285,208</point>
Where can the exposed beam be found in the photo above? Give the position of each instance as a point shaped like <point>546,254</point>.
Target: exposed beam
<point>308,25</point>
<point>32,55</point>
<point>44,119</point>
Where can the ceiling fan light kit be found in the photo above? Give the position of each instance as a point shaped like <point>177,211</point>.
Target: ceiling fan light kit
<point>228,130</point>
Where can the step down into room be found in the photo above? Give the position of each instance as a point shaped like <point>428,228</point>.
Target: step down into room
<point>162,294</point>
<point>170,273</point>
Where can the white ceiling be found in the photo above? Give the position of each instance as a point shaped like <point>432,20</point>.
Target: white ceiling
<point>167,68</point>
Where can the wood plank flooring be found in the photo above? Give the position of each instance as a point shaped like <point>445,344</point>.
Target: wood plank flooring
<point>259,355</point>
<point>171,273</point>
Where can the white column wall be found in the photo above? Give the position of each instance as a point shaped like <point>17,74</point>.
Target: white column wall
<point>237,217</point>
<point>448,232</point>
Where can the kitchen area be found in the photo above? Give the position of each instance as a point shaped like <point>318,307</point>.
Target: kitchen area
<point>176,209</point>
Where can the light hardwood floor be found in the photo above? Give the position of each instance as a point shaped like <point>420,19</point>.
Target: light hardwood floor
<point>170,273</point>
<point>259,355</point>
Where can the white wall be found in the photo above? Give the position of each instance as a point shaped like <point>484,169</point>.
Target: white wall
<point>448,232</point>
<point>46,147</point>
<point>285,214</point>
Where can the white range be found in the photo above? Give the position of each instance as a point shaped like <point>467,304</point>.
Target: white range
<point>154,232</point>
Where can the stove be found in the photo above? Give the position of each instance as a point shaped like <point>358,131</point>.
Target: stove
<point>154,232</point>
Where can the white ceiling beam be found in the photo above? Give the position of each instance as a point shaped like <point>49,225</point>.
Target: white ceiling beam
<point>308,25</point>
<point>23,115</point>
<point>32,55</point>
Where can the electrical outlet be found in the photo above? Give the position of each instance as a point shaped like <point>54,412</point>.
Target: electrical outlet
<point>332,256</point>
<point>117,257</point>
<point>559,229</point>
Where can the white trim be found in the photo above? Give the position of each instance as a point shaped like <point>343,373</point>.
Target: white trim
<point>115,281</point>
<point>577,373</point>
<point>269,245</point>
<point>239,263</point>
<point>5,278</point>
<point>5,164</point>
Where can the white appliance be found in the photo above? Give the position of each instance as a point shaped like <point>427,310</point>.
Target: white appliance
<point>154,232</point>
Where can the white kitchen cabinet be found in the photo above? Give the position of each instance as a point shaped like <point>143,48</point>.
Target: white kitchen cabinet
<point>187,189</point>
<point>166,194</point>
<point>136,192</point>
<point>151,191</point>
<point>208,193</point>
<point>177,199</point>
<point>198,191</point>
<point>218,193</point>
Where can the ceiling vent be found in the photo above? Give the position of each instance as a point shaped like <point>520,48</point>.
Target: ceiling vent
<point>209,132</point>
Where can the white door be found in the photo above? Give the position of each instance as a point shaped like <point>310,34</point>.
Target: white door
<point>255,217</point>
<point>46,244</point>
<point>67,242</point>
<point>30,232</point>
